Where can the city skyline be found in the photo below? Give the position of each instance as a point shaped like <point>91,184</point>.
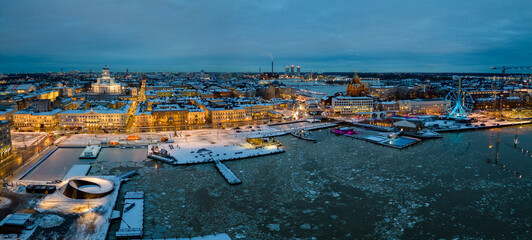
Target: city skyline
<point>388,36</point>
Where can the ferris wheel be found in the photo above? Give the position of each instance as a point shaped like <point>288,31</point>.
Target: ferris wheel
<point>458,103</point>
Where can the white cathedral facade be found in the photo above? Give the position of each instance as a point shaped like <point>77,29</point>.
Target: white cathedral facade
<point>106,84</point>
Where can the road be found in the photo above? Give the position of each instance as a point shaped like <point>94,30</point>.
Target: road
<point>22,156</point>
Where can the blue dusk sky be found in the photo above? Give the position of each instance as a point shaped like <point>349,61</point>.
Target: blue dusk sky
<point>243,35</point>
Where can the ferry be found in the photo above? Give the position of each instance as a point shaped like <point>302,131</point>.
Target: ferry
<point>305,135</point>
<point>91,151</point>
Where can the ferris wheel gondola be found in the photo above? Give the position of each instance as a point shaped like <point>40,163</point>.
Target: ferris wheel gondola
<point>458,103</point>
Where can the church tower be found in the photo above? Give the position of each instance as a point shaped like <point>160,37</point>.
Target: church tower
<point>105,72</point>
<point>355,88</point>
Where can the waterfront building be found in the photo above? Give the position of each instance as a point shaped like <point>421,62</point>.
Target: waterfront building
<point>143,119</point>
<point>106,84</point>
<point>351,105</point>
<point>222,115</point>
<point>94,119</point>
<point>418,106</point>
<point>218,111</point>
<point>258,111</point>
<point>298,71</point>
<point>169,114</point>
<point>5,139</point>
<point>196,116</point>
<point>408,126</point>
<point>30,120</point>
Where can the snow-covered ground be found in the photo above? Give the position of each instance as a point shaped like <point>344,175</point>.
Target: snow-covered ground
<point>21,139</point>
<point>201,146</point>
<point>93,222</point>
<point>227,136</point>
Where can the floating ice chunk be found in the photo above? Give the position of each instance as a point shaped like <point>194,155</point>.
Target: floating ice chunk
<point>305,226</point>
<point>274,227</point>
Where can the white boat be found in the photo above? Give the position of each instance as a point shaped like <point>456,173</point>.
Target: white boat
<point>91,152</point>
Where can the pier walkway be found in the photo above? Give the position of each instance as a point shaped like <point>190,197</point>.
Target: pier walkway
<point>229,176</point>
<point>132,216</point>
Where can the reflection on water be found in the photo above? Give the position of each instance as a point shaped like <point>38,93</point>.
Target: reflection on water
<point>59,163</point>
<point>56,165</point>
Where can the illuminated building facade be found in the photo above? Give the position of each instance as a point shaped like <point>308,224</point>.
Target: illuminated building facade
<point>5,139</point>
<point>106,84</point>
<point>352,105</point>
<point>355,88</point>
<point>93,119</point>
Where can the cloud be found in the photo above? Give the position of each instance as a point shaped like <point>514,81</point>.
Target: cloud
<point>161,35</point>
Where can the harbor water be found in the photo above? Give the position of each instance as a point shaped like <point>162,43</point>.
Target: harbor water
<point>463,185</point>
<point>459,186</point>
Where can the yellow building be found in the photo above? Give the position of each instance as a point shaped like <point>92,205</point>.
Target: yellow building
<point>258,111</point>
<point>196,116</point>
<point>36,120</point>
<point>144,119</point>
<point>93,119</point>
<point>165,93</point>
<point>169,114</point>
<point>51,95</point>
<point>228,115</point>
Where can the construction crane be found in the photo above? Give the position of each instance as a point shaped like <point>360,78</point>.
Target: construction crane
<point>503,68</point>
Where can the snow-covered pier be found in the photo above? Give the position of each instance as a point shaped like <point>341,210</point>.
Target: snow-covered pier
<point>91,152</point>
<point>184,156</point>
<point>229,176</point>
<point>132,216</point>
<point>168,160</point>
<point>451,126</point>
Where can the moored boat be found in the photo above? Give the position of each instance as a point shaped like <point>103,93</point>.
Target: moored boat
<point>305,135</point>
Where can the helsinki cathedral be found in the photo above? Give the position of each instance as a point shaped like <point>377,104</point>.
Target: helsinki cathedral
<point>106,84</point>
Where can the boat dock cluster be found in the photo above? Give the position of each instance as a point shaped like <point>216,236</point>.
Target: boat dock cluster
<point>389,139</point>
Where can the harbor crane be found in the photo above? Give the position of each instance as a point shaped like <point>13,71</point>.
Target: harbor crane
<point>503,68</point>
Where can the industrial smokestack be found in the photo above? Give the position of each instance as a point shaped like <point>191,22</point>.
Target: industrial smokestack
<point>272,66</point>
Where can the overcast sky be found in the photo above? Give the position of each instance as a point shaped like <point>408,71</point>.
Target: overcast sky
<point>242,35</point>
